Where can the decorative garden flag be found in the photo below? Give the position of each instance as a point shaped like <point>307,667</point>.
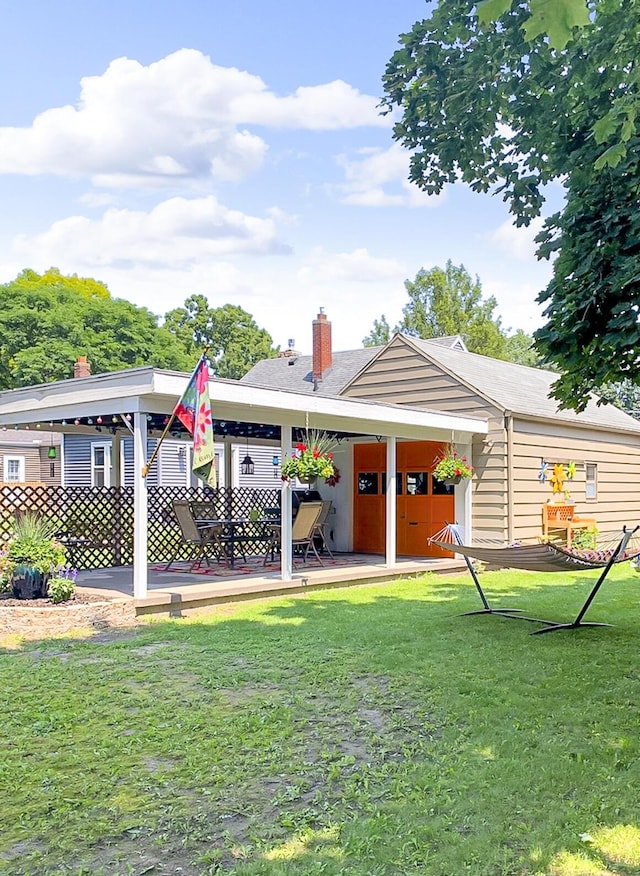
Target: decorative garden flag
<point>194,412</point>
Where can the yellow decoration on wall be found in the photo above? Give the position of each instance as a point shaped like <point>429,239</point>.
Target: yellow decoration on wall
<point>558,478</point>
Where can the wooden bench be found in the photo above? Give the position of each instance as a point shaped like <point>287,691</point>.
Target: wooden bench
<point>560,517</point>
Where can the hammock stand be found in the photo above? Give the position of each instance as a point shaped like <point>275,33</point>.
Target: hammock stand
<point>537,558</point>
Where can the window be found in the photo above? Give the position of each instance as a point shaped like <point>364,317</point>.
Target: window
<point>13,470</point>
<point>368,483</point>
<point>100,465</point>
<point>417,483</point>
<point>439,488</point>
<point>591,481</point>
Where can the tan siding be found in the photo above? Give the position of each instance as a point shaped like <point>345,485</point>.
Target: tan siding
<point>31,461</point>
<point>616,456</point>
<point>400,375</point>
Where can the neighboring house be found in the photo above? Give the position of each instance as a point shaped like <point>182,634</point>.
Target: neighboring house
<point>88,462</point>
<point>85,460</point>
<point>30,456</point>
<point>526,428</point>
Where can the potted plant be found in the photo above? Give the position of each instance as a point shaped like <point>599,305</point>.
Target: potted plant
<point>450,467</point>
<point>33,555</point>
<point>311,459</point>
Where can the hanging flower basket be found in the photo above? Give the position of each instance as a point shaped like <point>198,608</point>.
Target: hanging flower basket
<point>451,468</point>
<point>311,459</point>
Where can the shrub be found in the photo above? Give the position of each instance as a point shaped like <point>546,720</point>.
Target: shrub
<point>34,544</point>
<point>61,587</point>
<point>584,539</point>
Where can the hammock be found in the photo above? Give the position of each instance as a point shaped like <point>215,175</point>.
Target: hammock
<point>537,558</point>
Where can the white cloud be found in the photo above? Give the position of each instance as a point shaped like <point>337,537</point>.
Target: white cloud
<point>330,107</point>
<point>97,199</point>
<point>179,119</point>
<point>358,266</point>
<point>380,179</point>
<point>517,242</point>
<point>517,305</point>
<point>178,231</point>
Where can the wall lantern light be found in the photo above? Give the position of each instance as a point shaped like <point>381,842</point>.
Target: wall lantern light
<point>246,466</point>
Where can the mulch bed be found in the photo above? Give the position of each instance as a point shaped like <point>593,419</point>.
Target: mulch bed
<point>8,600</point>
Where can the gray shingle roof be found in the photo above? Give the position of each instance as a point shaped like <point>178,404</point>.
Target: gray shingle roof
<point>517,388</point>
<point>521,389</point>
<point>295,373</point>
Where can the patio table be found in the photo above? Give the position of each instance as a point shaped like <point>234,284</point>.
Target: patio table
<point>237,530</point>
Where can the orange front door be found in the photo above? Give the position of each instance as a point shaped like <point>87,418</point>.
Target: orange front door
<point>423,505</point>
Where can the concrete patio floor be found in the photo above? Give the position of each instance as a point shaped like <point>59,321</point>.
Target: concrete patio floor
<point>175,592</point>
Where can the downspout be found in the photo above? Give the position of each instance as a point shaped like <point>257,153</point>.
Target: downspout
<point>508,425</point>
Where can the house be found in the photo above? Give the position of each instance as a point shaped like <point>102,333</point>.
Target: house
<point>526,430</point>
<point>30,457</point>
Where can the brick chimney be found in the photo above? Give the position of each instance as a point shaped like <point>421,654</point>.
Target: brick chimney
<point>82,368</point>
<point>322,356</point>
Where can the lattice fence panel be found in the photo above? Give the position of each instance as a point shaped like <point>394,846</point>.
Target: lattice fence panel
<point>97,523</point>
<point>225,502</point>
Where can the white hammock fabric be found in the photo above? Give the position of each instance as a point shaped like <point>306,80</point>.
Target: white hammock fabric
<point>535,557</point>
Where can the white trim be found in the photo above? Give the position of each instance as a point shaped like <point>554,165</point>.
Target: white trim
<point>62,462</point>
<point>105,446</point>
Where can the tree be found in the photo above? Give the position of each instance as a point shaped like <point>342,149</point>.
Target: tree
<point>520,349</point>
<point>556,19</point>
<point>380,333</point>
<point>510,115</point>
<point>448,302</point>
<point>236,342</point>
<point>47,320</point>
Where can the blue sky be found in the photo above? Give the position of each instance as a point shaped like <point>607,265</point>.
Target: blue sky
<point>234,150</point>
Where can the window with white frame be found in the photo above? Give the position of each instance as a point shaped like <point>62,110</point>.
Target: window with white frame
<point>13,469</point>
<point>101,465</point>
<point>591,480</point>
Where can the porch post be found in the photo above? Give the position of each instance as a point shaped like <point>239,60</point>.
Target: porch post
<point>116,483</point>
<point>463,498</point>
<point>286,506</point>
<point>116,460</point>
<point>390,529</point>
<point>140,574</point>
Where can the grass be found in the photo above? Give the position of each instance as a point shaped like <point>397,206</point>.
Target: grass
<point>363,731</point>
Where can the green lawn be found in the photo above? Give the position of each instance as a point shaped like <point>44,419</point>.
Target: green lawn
<point>360,731</point>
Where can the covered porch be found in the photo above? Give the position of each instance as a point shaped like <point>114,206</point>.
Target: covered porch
<point>139,401</point>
